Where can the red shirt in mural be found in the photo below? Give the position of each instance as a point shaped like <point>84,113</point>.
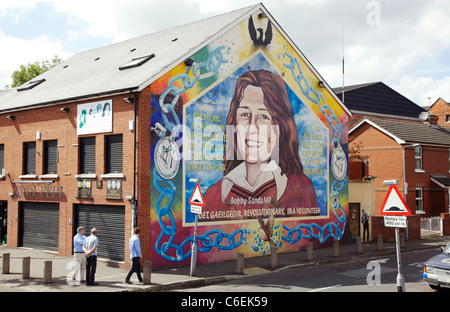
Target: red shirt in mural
<point>233,198</point>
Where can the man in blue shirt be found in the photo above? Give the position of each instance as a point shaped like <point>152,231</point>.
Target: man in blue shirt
<point>90,249</point>
<point>78,255</point>
<point>135,255</point>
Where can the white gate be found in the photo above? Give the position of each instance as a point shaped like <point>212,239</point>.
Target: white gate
<point>431,226</point>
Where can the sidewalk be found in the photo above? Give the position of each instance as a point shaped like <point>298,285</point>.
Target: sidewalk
<point>111,279</point>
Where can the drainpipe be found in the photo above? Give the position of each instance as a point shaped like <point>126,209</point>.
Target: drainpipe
<point>404,180</point>
<point>134,203</point>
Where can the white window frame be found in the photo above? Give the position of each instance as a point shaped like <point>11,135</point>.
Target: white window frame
<point>420,157</point>
<point>419,211</point>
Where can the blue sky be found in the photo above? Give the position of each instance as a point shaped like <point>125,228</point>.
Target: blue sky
<point>403,43</point>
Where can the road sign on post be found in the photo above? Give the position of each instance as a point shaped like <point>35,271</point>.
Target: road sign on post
<point>196,200</point>
<point>394,207</point>
<point>394,204</point>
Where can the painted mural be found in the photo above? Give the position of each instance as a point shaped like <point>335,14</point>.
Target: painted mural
<point>269,146</point>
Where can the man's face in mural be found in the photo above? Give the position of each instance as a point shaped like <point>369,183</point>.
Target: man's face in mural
<point>256,138</point>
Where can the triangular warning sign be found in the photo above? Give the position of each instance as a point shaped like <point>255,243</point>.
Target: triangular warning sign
<point>197,197</point>
<point>394,204</point>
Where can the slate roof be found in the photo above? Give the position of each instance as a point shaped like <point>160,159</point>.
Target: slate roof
<point>378,98</point>
<point>441,179</point>
<point>408,132</point>
<point>96,72</point>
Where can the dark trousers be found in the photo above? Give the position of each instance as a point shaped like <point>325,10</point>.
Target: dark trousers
<point>91,266</point>
<point>366,230</point>
<point>135,267</point>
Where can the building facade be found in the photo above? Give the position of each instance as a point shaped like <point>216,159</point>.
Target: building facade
<point>113,138</point>
<point>413,153</point>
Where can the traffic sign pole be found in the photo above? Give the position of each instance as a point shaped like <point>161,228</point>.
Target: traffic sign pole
<point>395,205</point>
<point>400,279</point>
<point>194,248</point>
<point>196,203</point>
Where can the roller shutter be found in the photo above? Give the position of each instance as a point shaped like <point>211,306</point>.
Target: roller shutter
<point>87,155</point>
<point>51,157</point>
<point>39,225</point>
<point>110,224</point>
<point>29,158</point>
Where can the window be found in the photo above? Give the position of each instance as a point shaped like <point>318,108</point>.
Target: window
<point>114,154</point>
<point>87,155</point>
<point>50,157</point>
<point>419,199</point>
<point>418,157</point>
<point>30,85</point>
<point>137,61</point>
<point>2,157</point>
<point>29,158</point>
<point>447,118</point>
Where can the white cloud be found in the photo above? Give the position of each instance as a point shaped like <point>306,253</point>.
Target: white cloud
<point>25,51</point>
<point>407,49</point>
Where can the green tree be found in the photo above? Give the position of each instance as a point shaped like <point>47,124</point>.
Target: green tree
<point>27,72</point>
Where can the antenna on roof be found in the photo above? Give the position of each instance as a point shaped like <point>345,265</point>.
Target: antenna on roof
<point>423,116</point>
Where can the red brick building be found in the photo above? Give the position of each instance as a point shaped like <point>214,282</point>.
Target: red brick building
<point>441,109</point>
<point>100,141</point>
<point>75,143</point>
<point>401,146</point>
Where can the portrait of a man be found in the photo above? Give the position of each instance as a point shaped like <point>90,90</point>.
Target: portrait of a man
<point>263,169</point>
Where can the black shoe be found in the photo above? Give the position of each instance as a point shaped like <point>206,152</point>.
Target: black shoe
<point>128,282</point>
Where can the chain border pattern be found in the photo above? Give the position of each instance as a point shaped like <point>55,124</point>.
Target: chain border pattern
<point>216,238</point>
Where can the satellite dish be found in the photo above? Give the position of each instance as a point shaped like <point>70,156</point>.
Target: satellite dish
<point>423,116</point>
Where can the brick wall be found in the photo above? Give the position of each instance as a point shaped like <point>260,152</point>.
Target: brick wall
<point>56,125</point>
<point>388,233</point>
<point>386,163</point>
<point>441,109</point>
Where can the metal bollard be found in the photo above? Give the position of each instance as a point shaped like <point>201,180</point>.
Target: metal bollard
<point>273,257</point>
<point>335,247</point>
<point>309,251</point>
<point>240,263</point>
<point>402,240</point>
<point>5,267</point>
<point>147,279</point>
<point>26,261</point>
<point>359,249</point>
<point>48,272</point>
<point>380,246</point>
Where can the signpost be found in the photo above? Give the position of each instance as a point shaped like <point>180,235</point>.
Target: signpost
<point>395,210</point>
<point>196,203</point>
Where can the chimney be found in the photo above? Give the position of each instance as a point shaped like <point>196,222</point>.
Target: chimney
<point>433,119</point>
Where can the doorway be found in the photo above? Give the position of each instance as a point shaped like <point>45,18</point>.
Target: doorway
<point>354,222</point>
<point>3,221</point>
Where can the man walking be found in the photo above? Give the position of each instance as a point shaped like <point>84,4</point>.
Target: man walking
<point>90,249</point>
<point>78,255</point>
<point>135,255</point>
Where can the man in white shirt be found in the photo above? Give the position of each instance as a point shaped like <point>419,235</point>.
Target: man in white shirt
<point>135,255</point>
<point>78,255</point>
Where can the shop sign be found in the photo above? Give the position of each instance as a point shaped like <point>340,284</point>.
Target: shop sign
<point>38,192</point>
